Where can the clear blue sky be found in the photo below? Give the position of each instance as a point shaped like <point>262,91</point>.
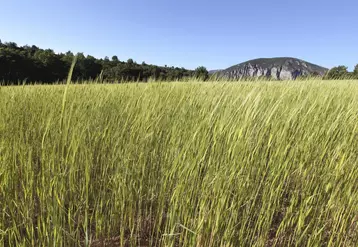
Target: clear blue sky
<point>188,33</point>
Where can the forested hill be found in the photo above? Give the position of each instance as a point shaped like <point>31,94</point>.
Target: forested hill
<point>33,64</point>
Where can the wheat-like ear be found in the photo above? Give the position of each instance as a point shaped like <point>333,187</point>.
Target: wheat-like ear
<point>68,82</point>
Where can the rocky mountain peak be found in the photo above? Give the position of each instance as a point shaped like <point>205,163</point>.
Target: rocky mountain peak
<point>280,68</point>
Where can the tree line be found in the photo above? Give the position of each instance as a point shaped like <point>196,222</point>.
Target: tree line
<point>27,64</point>
<point>341,72</point>
<point>19,64</point>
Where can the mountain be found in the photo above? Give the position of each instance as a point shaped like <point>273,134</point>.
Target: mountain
<point>214,71</point>
<point>279,68</point>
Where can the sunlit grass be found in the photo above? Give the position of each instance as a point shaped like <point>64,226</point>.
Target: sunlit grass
<point>180,164</point>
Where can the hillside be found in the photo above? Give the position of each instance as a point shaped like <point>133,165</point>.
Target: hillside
<point>280,68</point>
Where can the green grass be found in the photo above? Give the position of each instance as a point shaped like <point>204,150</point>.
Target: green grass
<point>180,164</point>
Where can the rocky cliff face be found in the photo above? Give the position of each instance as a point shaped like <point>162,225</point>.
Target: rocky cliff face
<point>274,68</point>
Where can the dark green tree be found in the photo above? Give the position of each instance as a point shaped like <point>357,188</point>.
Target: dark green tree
<point>115,59</point>
<point>355,72</point>
<point>337,73</point>
<point>201,73</point>
<point>11,45</point>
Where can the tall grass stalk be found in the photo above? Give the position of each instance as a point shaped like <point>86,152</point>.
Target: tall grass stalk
<point>68,82</point>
